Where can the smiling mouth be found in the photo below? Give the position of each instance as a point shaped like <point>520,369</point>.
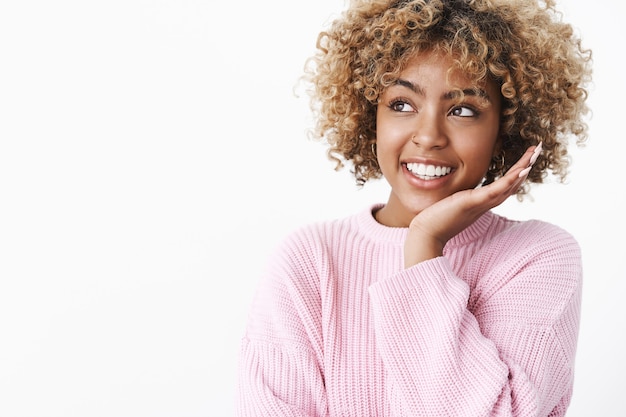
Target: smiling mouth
<point>427,172</point>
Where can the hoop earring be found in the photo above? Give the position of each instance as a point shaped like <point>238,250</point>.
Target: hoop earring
<point>497,165</point>
<point>374,149</point>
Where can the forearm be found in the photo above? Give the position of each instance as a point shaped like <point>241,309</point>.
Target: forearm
<point>278,381</point>
<point>441,362</point>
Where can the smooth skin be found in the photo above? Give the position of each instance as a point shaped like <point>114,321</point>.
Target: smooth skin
<point>422,119</point>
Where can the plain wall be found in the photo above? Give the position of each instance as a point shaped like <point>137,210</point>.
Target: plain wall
<point>152,153</point>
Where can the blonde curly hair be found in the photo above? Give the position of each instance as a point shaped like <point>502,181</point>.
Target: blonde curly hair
<point>536,59</point>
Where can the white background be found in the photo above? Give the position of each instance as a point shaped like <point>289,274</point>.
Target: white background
<point>152,153</point>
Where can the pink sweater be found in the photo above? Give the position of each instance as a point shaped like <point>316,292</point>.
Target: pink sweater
<point>339,328</point>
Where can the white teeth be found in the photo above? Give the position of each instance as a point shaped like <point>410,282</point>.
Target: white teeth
<point>428,172</point>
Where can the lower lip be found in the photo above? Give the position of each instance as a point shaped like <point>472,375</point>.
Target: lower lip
<point>425,184</point>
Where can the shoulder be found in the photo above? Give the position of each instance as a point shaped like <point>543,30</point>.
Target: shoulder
<point>515,251</point>
<point>532,264</point>
<point>534,254</point>
<point>314,237</point>
<point>328,235</point>
<point>307,248</point>
<point>508,238</point>
<point>534,236</point>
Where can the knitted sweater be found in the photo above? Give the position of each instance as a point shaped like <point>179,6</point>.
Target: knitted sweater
<point>339,327</point>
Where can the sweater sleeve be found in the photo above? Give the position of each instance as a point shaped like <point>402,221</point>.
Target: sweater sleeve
<point>274,381</point>
<point>280,372</point>
<point>501,346</point>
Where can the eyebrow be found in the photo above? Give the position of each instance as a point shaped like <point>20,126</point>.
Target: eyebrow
<point>450,95</point>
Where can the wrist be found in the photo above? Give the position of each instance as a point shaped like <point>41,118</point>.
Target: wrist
<point>420,250</point>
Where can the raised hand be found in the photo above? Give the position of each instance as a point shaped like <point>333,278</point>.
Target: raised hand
<point>433,227</point>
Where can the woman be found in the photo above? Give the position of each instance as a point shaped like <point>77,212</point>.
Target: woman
<point>430,304</point>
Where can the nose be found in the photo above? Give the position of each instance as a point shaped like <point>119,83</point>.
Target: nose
<point>429,131</point>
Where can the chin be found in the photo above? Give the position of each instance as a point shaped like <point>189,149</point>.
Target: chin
<point>418,204</point>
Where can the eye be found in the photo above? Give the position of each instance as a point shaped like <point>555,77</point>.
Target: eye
<point>400,106</point>
<point>463,111</point>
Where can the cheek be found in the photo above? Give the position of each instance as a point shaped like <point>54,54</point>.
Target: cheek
<point>389,143</point>
<point>479,150</point>
<point>388,150</point>
<point>390,133</point>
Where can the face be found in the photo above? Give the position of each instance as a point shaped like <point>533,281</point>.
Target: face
<point>430,141</point>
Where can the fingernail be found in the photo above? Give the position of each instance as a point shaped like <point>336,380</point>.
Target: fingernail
<point>524,172</point>
<point>536,154</point>
<point>539,147</point>
<point>533,158</point>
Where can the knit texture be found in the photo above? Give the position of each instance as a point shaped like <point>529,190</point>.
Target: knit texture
<point>338,326</point>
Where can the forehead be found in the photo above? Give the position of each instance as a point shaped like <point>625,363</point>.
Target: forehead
<point>434,65</point>
<point>438,70</point>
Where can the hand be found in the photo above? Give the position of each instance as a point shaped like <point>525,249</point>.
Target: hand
<point>431,229</point>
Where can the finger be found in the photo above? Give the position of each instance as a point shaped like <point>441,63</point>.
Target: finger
<point>536,153</point>
<point>533,158</point>
<point>531,154</point>
<point>501,189</point>
<point>524,173</point>
<point>495,193</point>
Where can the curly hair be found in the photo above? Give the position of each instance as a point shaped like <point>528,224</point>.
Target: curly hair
<point>536,60</point>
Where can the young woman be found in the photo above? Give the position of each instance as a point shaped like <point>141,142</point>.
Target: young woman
<point>430,304</point>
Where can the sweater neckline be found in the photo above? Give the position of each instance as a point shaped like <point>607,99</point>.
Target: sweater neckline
<point>376,231</point>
